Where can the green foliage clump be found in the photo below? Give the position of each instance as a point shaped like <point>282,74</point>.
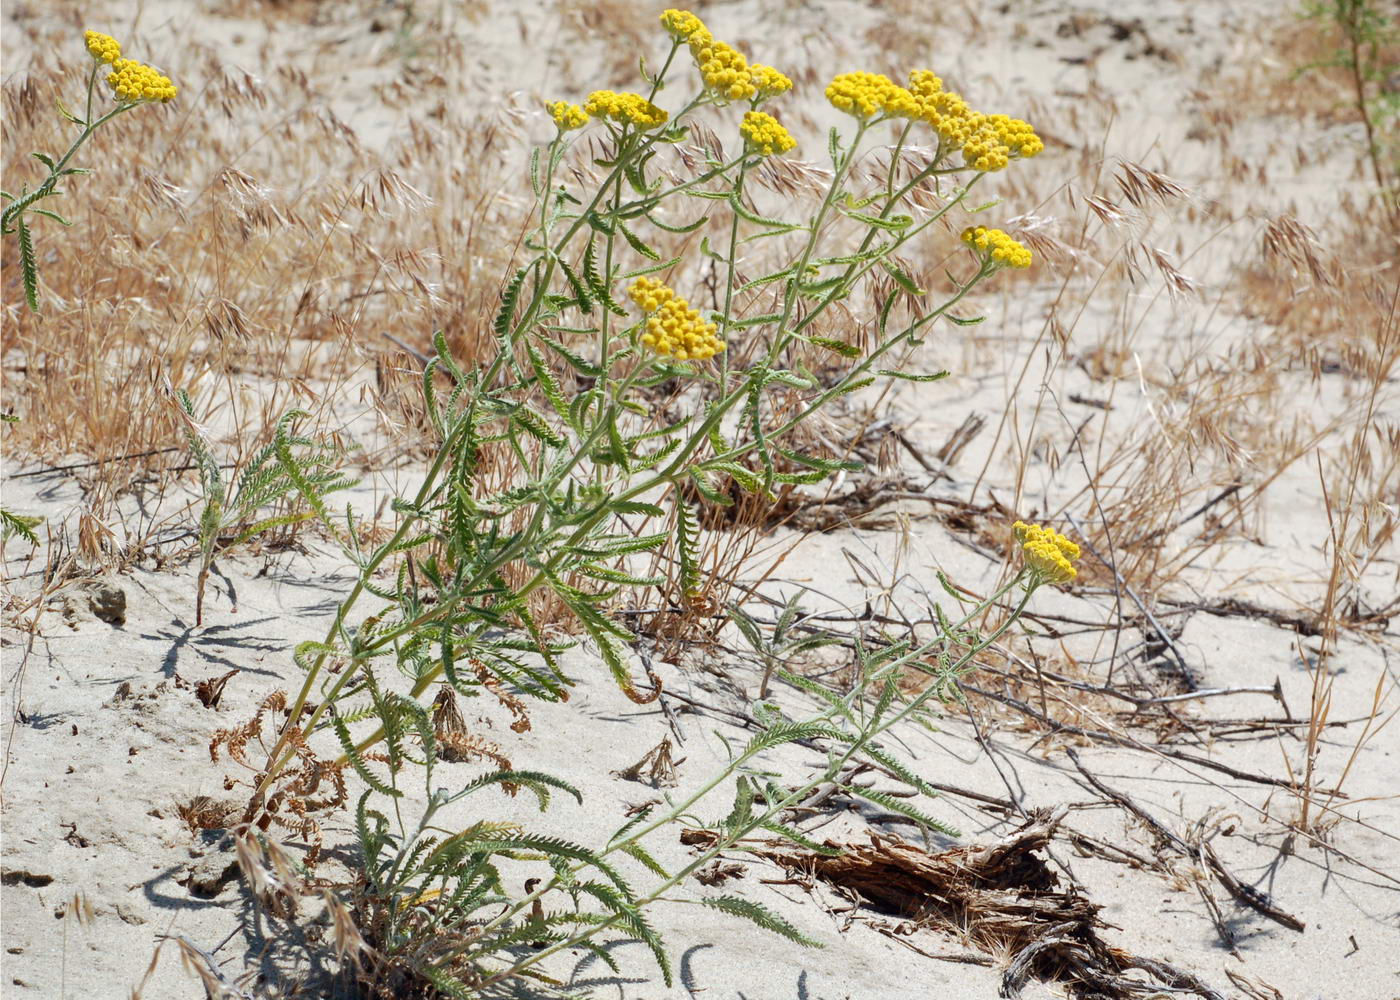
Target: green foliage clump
<point>565,397</point>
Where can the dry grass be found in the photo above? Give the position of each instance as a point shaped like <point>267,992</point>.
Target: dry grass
<point>255,256</point>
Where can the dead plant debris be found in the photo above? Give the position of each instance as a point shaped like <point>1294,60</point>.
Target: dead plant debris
<point>1002,898</point>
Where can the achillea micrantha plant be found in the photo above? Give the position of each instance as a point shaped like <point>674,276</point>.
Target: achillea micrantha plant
<point>607,475</point>
<point>133,84</point>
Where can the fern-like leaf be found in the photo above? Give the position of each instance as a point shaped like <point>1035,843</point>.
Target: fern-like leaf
<point>644,856</point>
<point>761,915</point>
<point>19,524</point>
<point>902,808</point>
<point>357,761</point>
<point>788,833</point>
<point>509,298</point>
<point>687,545</point>
<point>29,266</point>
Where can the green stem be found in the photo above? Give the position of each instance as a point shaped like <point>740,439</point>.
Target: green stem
<point>276,763</point>
<point>48,184</point>
<point>833,769</point>
<point>855,269</point>
<point>729,273</point>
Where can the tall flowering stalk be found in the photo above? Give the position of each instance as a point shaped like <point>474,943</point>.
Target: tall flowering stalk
<point>132,84</point>
<point>605,478</point>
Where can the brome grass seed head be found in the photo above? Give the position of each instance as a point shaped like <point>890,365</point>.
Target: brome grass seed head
<point>625,109</point>
<point>1047,552</point>
<point>134,81</point>
<point>995,246</point>
<point>673,328</point>
<point>104,48</point>
<point>764,134</point>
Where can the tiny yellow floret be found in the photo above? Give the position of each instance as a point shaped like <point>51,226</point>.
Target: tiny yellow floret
<point>567,116</point>
<point>104,48</point>
<point>625,109</point>
<point>1047,552</point>
<point>134,81</point>
<point>997,247</point>
<point>764,134</point>
<point>673,328</point>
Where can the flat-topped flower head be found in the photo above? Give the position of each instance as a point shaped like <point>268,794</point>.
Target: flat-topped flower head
<point>134,81</point>
<point>996,140</point>
<point>681,24</point>
<point>1016,135</point>
<point>867,94</point>
<point>104,48</point>
<point>673,328</point>
<point>988,142</point>
<point>625,109</point>
<point>1047,552</point>
<point>997,247</point>
<point>567,116</point>
<point>764,134</point>
<point>769,81</point>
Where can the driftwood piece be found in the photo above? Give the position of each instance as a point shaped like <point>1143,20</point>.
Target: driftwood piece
<point>1003,897</point>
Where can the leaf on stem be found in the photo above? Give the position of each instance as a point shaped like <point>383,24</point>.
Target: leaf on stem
<point>760,915</point>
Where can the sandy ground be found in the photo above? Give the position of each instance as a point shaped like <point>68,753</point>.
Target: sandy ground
<point>109,737</point>
<point>114,739</point>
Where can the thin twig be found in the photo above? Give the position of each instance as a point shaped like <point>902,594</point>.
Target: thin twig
<point>1246,894</point>
<point>87,465</point>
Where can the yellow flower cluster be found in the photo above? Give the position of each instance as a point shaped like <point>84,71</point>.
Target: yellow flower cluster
<point>135,81</point>
<point>723,68</point>
<point>769,81</point>
<point>625,109</point>
<point>998,139</point>
<point>673,328</point>
<point>764,134</point>
<point>867,94</point>
<point>727,74</point>
<point>1047,552</point>
<point>997,246</point>
<point>104,48</point>
<point>567,116</point>
<point>988,142</point>
<point>681,24</point>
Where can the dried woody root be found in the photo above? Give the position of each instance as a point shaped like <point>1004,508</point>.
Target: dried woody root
<point>1003,897</point>
<point>310,785</point>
